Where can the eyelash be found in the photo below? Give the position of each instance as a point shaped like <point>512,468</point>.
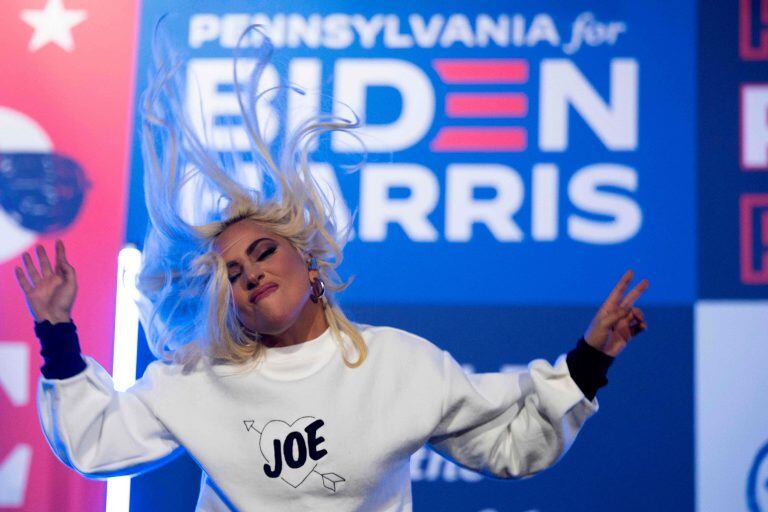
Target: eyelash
<point>263,256</point>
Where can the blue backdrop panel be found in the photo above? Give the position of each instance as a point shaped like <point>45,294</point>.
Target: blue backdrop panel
<point>596,170</point>
<point>722,181</point>
<point>635,454</point>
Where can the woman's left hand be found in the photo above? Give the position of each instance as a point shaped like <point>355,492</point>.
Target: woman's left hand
<point>617,320</point>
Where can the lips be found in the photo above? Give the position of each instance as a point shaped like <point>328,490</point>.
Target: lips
<point>263,291</point>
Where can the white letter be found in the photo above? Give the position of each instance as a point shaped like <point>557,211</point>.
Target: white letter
<point>274,28</point>
<point>354,76</point>
<point>562,84</point>
<point>302,30</point>
<point>232,27</point>
<point>329,186</point>
<point>583,193</point>
<point>488,28</point>
<point>202,28</point>
<point>14,474</point>
<point>416,460</point>
<point>205,103</point>
<point>463,210</point>
<point>426,34</point>
<point>457,29</point>
<point>392,36</point>
<point>14,371</point>
<point>367,31</point>
<point>378,209</point>
<point>545,202</point>
<point>542,29</point>
<point>338,33</point>
<point>754,126</point>
<point>306,73</point>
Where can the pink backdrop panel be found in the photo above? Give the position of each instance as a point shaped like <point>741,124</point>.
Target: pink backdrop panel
<point>67,89</point>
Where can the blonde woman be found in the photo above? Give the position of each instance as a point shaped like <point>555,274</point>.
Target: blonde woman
<point>283,401</point>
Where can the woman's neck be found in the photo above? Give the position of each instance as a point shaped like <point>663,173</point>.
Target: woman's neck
<point>310,324</point>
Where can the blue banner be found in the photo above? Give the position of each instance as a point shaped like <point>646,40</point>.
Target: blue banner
<point>516,156</point>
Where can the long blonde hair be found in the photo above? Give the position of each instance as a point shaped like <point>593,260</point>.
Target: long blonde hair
<point>188,309</point>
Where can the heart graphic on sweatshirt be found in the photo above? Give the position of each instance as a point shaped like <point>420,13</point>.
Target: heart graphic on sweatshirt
<point>291,450</point>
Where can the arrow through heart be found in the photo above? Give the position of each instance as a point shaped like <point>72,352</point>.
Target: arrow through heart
<point>292,450</point>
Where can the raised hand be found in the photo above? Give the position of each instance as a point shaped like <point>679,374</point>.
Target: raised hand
<point>617,320</point>
<point>50,292</point>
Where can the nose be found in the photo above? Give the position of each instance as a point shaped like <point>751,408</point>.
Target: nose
<point>254,276</point>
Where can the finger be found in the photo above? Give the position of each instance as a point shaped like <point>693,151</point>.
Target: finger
<point>616,316</point>
<point>26,286</point>
<point>618,290</point>
<point>638,313</point>
<point>634,294</point>
<point>45,263</point>
<point>59,258</point>
<point>62,265</point>
<point>29,265</point>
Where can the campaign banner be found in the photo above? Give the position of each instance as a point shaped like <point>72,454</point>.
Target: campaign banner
<point>65,102</point>
<point>733,150</point>
<point>516,155</point>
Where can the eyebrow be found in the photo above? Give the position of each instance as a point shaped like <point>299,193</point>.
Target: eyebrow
<point>248,251</point>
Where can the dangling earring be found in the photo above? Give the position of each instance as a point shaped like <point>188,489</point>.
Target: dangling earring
<point>318,286</point>
<point>318,290</point>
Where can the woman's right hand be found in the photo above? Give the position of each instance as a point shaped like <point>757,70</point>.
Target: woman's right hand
<point>50,292</point>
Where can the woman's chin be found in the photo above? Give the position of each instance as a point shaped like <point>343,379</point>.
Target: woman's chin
<point>272,326</point>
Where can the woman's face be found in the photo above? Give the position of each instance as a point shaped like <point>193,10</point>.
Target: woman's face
<point>258,260</point>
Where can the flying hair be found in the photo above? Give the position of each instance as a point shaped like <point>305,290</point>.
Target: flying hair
<point>186,304</point>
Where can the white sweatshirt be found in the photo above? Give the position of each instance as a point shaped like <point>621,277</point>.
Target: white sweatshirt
<point>305,432</point>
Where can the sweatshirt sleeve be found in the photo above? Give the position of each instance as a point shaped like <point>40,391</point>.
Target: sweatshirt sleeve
<point>98,431</point>
<point>511,424</point>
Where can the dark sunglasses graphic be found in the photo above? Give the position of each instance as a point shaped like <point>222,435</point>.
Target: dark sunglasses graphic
<point>43,192</point>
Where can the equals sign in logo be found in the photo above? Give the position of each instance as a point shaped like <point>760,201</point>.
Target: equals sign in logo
<point>482,105</point>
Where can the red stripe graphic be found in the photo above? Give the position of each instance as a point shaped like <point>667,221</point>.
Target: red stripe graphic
<point>764,228</point>
<point>486,105</point>
<point>753,272</point>
<point>454,138</point>
<point>482,71</point>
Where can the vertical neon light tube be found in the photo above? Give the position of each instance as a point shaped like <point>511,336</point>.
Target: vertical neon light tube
<point>124,355</point>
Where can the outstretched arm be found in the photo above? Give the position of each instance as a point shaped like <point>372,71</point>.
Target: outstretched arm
<point>513,425</point>
<point>91,427</point>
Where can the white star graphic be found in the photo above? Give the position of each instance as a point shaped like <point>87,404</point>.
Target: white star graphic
<point>52,24</point>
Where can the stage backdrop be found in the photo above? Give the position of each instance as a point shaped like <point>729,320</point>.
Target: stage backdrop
<point>520,158</point>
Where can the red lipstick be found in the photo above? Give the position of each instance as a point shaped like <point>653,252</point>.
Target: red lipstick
<point>262,291</point>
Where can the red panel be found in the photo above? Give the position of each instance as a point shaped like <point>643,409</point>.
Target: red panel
<point>80,99</point>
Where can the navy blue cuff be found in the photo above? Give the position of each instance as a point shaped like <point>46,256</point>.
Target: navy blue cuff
<point>588,367</point>
<point>60,349</point>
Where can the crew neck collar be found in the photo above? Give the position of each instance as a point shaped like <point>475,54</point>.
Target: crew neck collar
<point>299,360</point>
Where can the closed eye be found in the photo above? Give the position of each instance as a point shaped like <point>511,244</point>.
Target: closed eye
<point>267,253</point>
